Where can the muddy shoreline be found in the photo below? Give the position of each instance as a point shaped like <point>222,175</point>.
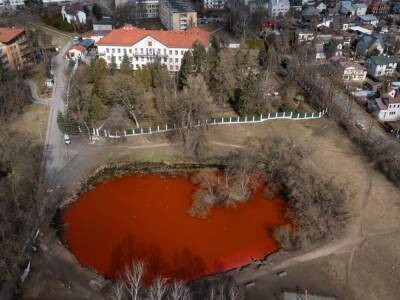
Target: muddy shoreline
<point>116,170</point>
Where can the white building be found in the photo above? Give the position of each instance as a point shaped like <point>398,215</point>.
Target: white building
<point>213,4</point>
<point>351,70</point>
<point>382,65</point>
<point>278,8</point>
<point>55,2</point>
<point>73,14</point>
<point>386,108</point>
<point>145,46</point>
<point>143,8</point>
<point>11,4</point>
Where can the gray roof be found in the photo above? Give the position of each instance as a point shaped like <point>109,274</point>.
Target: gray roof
<point>298,296</point>
<point>179,5</point>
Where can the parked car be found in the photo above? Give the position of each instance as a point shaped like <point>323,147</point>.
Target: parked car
<point>67,139</point>
<point>360,125</point>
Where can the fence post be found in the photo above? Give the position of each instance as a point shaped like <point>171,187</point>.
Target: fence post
<point>230,119</point>
<point>149,130</point>
<point>124,132</point>
<point>269,115</point>
<point>261,117</point>
<point>253,118</point>
<point>291,114</point>
<point>141,130</point>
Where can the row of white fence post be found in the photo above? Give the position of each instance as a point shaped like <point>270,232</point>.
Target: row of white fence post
<point>216,121</point>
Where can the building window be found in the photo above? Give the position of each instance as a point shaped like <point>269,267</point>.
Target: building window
<point>176,52</point>
<point>170,52</point>
<point>108,50</point>
<point>149,43</point>
<point>130,51</point>
<point>119,50</point>
<point>141,50</point>
<point>176,60</point>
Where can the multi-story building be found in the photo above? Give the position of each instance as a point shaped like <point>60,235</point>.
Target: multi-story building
<point>278,8</point>
<point>11,4</point>
<point>379,8</point>
<point>146,46</point>
<point>142,9</point>
<point>14,46</point>
<point>214,4</point>
<point>177,15</point>
<point>55,2</point>
<point>387,107</point>
<point>382,65</point>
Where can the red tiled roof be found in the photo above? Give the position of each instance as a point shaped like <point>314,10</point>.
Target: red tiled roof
<point>130,35</point>
<point>80,48</point>
<point>7,34</point>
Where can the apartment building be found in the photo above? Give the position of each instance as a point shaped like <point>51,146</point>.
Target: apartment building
<point>177,14</point>
<point>11,4</point>
<point>213,4</point>
<point>278,8</point>
<point>352,71</point>
<point>146,46</point>
<point>14,46</point>
<point>144,9</point>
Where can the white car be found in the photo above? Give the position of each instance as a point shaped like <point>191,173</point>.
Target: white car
<point>67,140</point>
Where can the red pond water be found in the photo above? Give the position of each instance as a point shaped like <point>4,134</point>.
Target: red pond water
<point>145,217</point>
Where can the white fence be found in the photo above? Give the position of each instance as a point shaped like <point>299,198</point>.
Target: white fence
<point>96,132</point>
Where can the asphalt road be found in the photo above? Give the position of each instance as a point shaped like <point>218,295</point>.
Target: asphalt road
<point>55,151</point>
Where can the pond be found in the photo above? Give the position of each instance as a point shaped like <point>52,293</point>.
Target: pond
<point>144,217</point>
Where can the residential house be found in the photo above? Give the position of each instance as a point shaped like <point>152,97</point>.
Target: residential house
<point>370,44</point>
<point>347,8</point>
<point>387,107</point>
<point>350,70</point>
<point>278,8</point>
<point>320,7</point>
<point>360,9</point>
<point>379,8</point>
<point>267,26</point>
<point>368,20</point>
<point>14,47</point>
<point>177,15</point>
<point>382,65</point>
<point>77,52</point>
<point>340,22</point>
<point>73,14</point>
<point>146,46</point>
<point>11,4</point>
<point>213,4</point>
<point>319,52</point>
<point>304,35</point>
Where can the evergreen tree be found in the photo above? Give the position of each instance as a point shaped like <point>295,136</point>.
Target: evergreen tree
<point>186,69</point>
<point>113,65</point>
<point>215,43</point>
<point>125,66</point>
<point>199,58</point>
<point>67,124</point>
<point>2,71</point>
<point>243,93</point>
<point>263,55</point>
<point>97,108</point>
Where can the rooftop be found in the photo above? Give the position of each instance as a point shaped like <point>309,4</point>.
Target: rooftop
<point>7,34</point>
<point>130,35</point>
<point>179,5</point>
<point>383,59</point>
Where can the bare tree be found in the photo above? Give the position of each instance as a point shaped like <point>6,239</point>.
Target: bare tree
<point>133,279</point>
<point>159,288</point>
<point>123,89</point>
<point>118,291</point>
<point>191,108</point>
<point>179,291</point>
